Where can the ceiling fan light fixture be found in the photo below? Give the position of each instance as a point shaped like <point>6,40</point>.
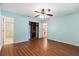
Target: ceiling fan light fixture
<point>44,13</point>
<point>43,16</point>
<point>49,10</point>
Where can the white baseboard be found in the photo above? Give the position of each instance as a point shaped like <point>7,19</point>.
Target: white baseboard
<point>64,42</point>
<point>17,42</point>
<point>21,41</point>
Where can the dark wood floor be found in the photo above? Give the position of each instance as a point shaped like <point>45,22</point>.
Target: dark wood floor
<point>39,47</point>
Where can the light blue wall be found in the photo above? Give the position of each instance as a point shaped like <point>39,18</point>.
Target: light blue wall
<point>64,29</point>
<point>21,26</point>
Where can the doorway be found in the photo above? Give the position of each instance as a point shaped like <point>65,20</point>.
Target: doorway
<point>8,33</point>
<point>34,30</point>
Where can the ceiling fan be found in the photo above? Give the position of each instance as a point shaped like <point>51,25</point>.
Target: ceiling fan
<point>44,12</point>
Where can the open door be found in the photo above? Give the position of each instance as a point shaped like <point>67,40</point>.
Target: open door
<point>8,24</point>
<point>34,30</point>
<point>45,30</point>
<point>45,35</point>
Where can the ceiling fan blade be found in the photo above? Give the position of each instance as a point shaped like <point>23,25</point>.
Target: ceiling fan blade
<point>49,14</point>
<point>37,11</point>
<point>37,15</point>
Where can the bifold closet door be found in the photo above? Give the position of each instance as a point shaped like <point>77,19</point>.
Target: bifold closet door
<point>8,30</point>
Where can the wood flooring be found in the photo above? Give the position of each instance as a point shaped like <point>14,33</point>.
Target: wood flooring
<point>39,47</point>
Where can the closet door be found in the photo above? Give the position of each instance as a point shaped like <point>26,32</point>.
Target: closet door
<point>0,34</point>
<point>8,30</point>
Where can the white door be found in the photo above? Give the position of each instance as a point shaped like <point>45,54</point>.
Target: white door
<point>45,35</point>
<point>45,30</point>
<point>8,30</point>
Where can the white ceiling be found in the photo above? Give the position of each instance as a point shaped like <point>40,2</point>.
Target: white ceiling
<point>27,9</point>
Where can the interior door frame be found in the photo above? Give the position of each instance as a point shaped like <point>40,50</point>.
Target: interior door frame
<point>31,28</point>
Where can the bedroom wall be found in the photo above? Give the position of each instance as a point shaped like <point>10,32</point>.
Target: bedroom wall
<point>64,29</point>
<point>21,26</point>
